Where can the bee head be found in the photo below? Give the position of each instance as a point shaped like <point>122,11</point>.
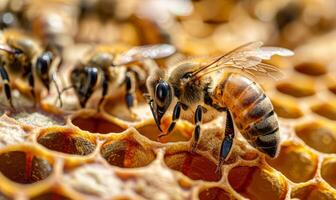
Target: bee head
<point>160,96</point>
<point>84,80</point>
<point>43,64</point>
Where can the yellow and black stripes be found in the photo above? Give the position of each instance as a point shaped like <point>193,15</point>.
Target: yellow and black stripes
<point>252,111</point>
<point>7,89</point>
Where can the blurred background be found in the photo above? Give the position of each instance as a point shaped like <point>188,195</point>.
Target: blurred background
<point>195,27</point>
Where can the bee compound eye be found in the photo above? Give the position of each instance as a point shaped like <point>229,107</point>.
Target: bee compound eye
<point>43,62</point>
<point>42,65</point>
<point>162,93</point>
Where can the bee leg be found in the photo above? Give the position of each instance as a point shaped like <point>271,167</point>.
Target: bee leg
<point>32,86</point>
<point>130,92</point>
<point>227,141</point>
<point>5,78</point>
<point>175,117</point>
<point>105,85</point>
<point>59,93</point>
<point>197,130</point>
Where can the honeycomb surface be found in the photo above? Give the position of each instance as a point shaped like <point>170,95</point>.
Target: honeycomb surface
<point>48,152</point>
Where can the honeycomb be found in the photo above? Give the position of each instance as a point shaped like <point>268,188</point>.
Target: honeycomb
<point>48,152</point>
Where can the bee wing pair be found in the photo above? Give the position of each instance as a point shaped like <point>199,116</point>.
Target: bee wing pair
<point>143,52</point>
<point>248,59</point>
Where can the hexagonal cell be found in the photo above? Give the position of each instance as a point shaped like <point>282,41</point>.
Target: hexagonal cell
<point>258,183</point>
<point>328,171</point>
<point>296,162</point>
<point>127,153</point>
<point>299,88</point>
<point>152,132</point>
<point>313,192</point>
<point>195,166</point>
<point>317,136</point>
<point>51,196</point>
<point>286,107</point>
<point>96,124</point>
<point>327,110</point>
<point>67,141</point>
<point>214,193</point>
<point>311,68</point>
<point>24,167</point>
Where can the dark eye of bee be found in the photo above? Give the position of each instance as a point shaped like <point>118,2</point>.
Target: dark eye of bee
<point>162,93</point>
<point>43,62</point>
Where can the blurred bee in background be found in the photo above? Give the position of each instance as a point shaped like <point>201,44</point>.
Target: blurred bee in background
<point>54,22</point>
<point>106,65</point>
<point>12,13</point>
<point>22,57</point>
<point>213,86</point>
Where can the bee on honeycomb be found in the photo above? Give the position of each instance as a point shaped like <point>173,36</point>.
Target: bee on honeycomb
<point>49,153</point>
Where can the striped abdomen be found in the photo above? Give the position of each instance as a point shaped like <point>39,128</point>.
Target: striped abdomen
<point>252,111</point>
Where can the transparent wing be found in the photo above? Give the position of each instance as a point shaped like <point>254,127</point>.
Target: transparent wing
<point>248,59</point>
<point>147,51</point>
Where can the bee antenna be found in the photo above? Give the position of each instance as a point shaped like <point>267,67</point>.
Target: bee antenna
<point>66,88</point>
<point>53,79</point>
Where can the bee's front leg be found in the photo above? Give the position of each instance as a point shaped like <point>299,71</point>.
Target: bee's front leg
<point>5,78</point>
<point>130,98</point>
<point>105,86</point>
<point>53,80</point>
<point>32,86</point>
<point>197,130</point>
<point>175,117</point>
<point>227,141</point>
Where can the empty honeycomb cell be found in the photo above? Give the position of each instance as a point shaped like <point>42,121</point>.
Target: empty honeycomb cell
<point>317,136</point>
<point>127,153</point>
<point>297,88</point>
<point>214,193</point>
<point>51,196</point>
<point>195,166</point>
<point>327,110</point>
<point>258,183</point>
<point>313,192</point>
<point>311,68</point>
<point>328,171</point>
<point>296,162</point>
<point>67,141</point>
<point>152,132</point>
<point>96,124</point>
<point>286,107</point>
<point>24,167</point>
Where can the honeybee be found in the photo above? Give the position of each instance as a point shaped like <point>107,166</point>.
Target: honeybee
<point>222,84</point>
<point>105,65</point>
<point>22,57</point>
